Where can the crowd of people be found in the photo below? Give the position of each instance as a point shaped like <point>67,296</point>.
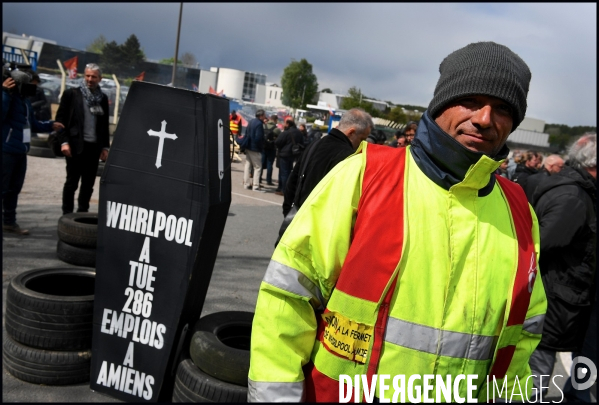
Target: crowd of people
<point>448,284</point>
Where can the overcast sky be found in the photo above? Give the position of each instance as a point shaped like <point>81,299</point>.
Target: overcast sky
<point>390,51</point>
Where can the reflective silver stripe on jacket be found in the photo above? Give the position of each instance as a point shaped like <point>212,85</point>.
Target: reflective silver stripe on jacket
<point>275,391</point>
<point>534,324</point>
<point>441,342</point>
<point>289,279</point>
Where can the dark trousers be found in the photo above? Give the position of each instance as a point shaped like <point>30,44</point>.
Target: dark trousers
<point>14,167</point>
<point>83,166</point>
<point>268,160</point>
<point>285,167</point>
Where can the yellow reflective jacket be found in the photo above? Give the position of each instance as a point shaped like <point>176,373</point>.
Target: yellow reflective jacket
<point>448,314</point>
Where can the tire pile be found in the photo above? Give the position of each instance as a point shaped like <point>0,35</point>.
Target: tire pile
<point>77,238</point>
<point>39,147</point>
<point>48,325</point>
<point>220,360</point>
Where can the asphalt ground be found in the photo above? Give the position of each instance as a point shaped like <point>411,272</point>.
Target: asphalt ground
<point>246,246</point>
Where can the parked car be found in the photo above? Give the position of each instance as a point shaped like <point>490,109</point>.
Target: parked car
<point>51,90</point>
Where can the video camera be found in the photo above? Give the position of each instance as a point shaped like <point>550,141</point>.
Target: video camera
<point>19,74</point>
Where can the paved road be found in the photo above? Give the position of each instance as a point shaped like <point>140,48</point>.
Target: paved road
<point>247,244</point>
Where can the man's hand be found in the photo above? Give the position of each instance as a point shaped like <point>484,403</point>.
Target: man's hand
<point>66,150</point>
<point>104,155</point>
<point>8,84</point>
<point>56,126</point>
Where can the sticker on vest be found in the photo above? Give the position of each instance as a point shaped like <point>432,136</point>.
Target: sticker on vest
<point>347,338</point>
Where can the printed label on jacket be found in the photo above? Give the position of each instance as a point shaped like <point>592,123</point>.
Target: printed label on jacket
<point>347,338</point>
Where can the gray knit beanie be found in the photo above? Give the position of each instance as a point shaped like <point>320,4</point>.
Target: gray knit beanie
<point>484,68</point>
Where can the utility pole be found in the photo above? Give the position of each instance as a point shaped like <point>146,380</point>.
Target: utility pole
<point>177,46</point>
<point>303,92</point>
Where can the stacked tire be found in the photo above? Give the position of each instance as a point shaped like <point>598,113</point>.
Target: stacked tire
<point>48,326</point>
<point>39,147</point>
<point>77,238</point>
<point>220,360</point>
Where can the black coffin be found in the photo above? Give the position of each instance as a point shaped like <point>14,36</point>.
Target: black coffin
<point>164,198</point>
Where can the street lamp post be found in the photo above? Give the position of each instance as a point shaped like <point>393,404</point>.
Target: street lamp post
<point>177,46</point>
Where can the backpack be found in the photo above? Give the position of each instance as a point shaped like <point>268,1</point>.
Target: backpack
<point>269,138</point>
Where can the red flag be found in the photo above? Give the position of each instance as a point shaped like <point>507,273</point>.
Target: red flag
<point>71,66</point>
<point>212,91</point>
<point>140,76</point>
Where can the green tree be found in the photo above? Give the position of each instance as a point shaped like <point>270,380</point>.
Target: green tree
<point>97,45</point>
<point>397,115</point>
<point>112,57</point>
<point>170,61</point>
<point>561,136</point>
<point>327,90</point>
<point>299,84</point>
<point>132,53</point>
<point>122,59</point>
<point>356,99</point>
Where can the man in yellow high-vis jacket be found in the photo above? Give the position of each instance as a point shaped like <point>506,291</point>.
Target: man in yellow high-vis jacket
<point>412,262</point>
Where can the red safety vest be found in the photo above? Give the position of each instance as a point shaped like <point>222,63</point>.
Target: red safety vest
<point>235,124</point>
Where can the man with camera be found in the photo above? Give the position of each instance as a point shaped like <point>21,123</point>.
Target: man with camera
<point>18,121</point>
<point>84,111</point>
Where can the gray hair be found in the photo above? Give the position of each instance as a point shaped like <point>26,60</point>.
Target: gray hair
<point>583,153</point>
<point>93,66</point>
<point>358,119</point>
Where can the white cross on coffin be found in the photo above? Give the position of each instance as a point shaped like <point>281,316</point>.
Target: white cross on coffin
<point>162,134</point>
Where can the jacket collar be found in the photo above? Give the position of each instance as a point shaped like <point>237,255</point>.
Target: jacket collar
<point>335,133</point>
<point>448,163</point>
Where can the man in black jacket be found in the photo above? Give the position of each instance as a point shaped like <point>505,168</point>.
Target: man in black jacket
<point>551,164</point>
<point>354,127</point>
<point>527,168</point>
<point>84,113</point>
<point>285,141</point>
<point>565,204</point>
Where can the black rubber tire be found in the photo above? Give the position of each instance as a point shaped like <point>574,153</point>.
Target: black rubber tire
<point>48,367</point>
<point>79,256</point>
<point>51,308</point>
<point>39,142</point>
<point>41,152</point>
<point>220,345</point>
<point>193,385</point>
<point>79,229</point>
<point>100,169</point>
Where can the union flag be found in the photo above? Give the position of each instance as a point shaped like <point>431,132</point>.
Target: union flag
<point>212,91</point>
<point>71,66</point>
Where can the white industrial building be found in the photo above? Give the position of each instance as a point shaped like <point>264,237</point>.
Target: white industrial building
<point>233,83</point>
<point>529,135</point>
<point>269,94</point>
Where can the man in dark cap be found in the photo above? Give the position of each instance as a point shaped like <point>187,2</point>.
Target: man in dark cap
<point>450,289</point>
